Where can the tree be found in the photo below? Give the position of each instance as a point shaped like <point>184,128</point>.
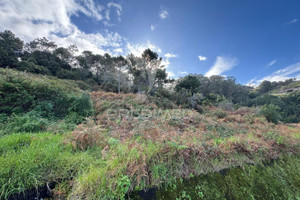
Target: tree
<point>120,63</point>
<point>144,70</point>
<point>40,44</point>
<point>10,48</point>
<point>108,67</point>
<point>161,77</point>
<point>152,66</point>
<point>190,83</point>
<point>86,60</point>
<point>265,87</point>
<point>67,55</point>
<point>136,69</point>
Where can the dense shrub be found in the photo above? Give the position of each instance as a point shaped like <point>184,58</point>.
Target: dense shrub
<point>29,102</point>
<point>271,113</point>
<point>288,105</point>
<point>29,122</point>
<point>87,135</point>
<point>33,68</point>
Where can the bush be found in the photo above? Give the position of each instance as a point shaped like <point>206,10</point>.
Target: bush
<point>30,102</point>
<point>226,105</point>
<point>220,114</point>
<point>87,135</point>
<point>30,122</point>
<point>33,68</point>
<point>271,113</point>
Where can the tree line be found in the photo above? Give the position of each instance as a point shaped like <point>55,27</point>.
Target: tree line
<point>139,74</point>
<point>112,73</point>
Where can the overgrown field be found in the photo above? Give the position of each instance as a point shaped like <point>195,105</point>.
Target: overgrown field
<point>131,144</point>
<point>104,145</point>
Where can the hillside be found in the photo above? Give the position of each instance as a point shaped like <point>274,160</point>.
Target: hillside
<point>33,103</point>
<point>286,89</point>
<point>95,126</point>
<point>133,142</point>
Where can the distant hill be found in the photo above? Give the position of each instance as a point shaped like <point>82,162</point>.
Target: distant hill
<point>278,88</point>
<point>286,89</point>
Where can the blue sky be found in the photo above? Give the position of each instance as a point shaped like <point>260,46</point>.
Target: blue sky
<point>252,40</point>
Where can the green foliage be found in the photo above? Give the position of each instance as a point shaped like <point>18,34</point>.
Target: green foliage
<point>29,161</point>
<point>29,122</point>
<point>265,87</point>
<point>31,67</point>
<point>271,113</point>
<point>29,103</point>
<point>220,114</point>
<point>10,48</point>
<point>289,106</point>
<point>123,185</point>
<point>190,83</point>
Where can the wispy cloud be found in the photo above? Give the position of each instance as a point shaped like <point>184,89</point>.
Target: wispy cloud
<point>152,27</point>
<point>182,73</point>
<point>202,58</point>
<point>138,49</point>
<point>52,19</point>
<point>166,60</point>
<point>293,21</point>
<point>170,55</point>
<point>222,64</point>
<point>170,74</point>
<point>292,71</point>
<point>163,14</point>
<point>272,63</point>
<point>118,8</point>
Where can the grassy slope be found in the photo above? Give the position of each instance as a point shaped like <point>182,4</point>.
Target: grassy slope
<point>41,81</point>
<point>143,153</point>
<point>282,90</point>
<point>30,102</point>
<point>119,153</point>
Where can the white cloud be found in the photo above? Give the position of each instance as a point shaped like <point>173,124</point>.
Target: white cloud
<point>182,73</point>
<point>118,8</point>
<point>138,49</point>
<point>118,50</point>
<point>163,14</point>
<point>169,55</point>
<point>222,64</point>
<point>272,63</point>
<point>293,21</point>
<point>292,71</point>
<point>152,27</point>
<point>52,19</point>
<point>202,58</point>
<point>170,74</point>
<point>166,61</point>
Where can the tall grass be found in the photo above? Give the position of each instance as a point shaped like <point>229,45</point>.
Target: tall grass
<point>28,161</point>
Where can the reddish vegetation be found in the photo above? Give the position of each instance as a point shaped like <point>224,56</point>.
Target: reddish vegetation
<point>232,137</point>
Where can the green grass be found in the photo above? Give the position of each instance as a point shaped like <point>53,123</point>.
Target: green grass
<point>31,160</point>
<point>28,161</point>
<point>110,158</point>
<point>31,103</point>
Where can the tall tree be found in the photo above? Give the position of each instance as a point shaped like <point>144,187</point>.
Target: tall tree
<point>152,65</point>
<point>10,48</point>
<point>40,44</point>
<point>120,64</point>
